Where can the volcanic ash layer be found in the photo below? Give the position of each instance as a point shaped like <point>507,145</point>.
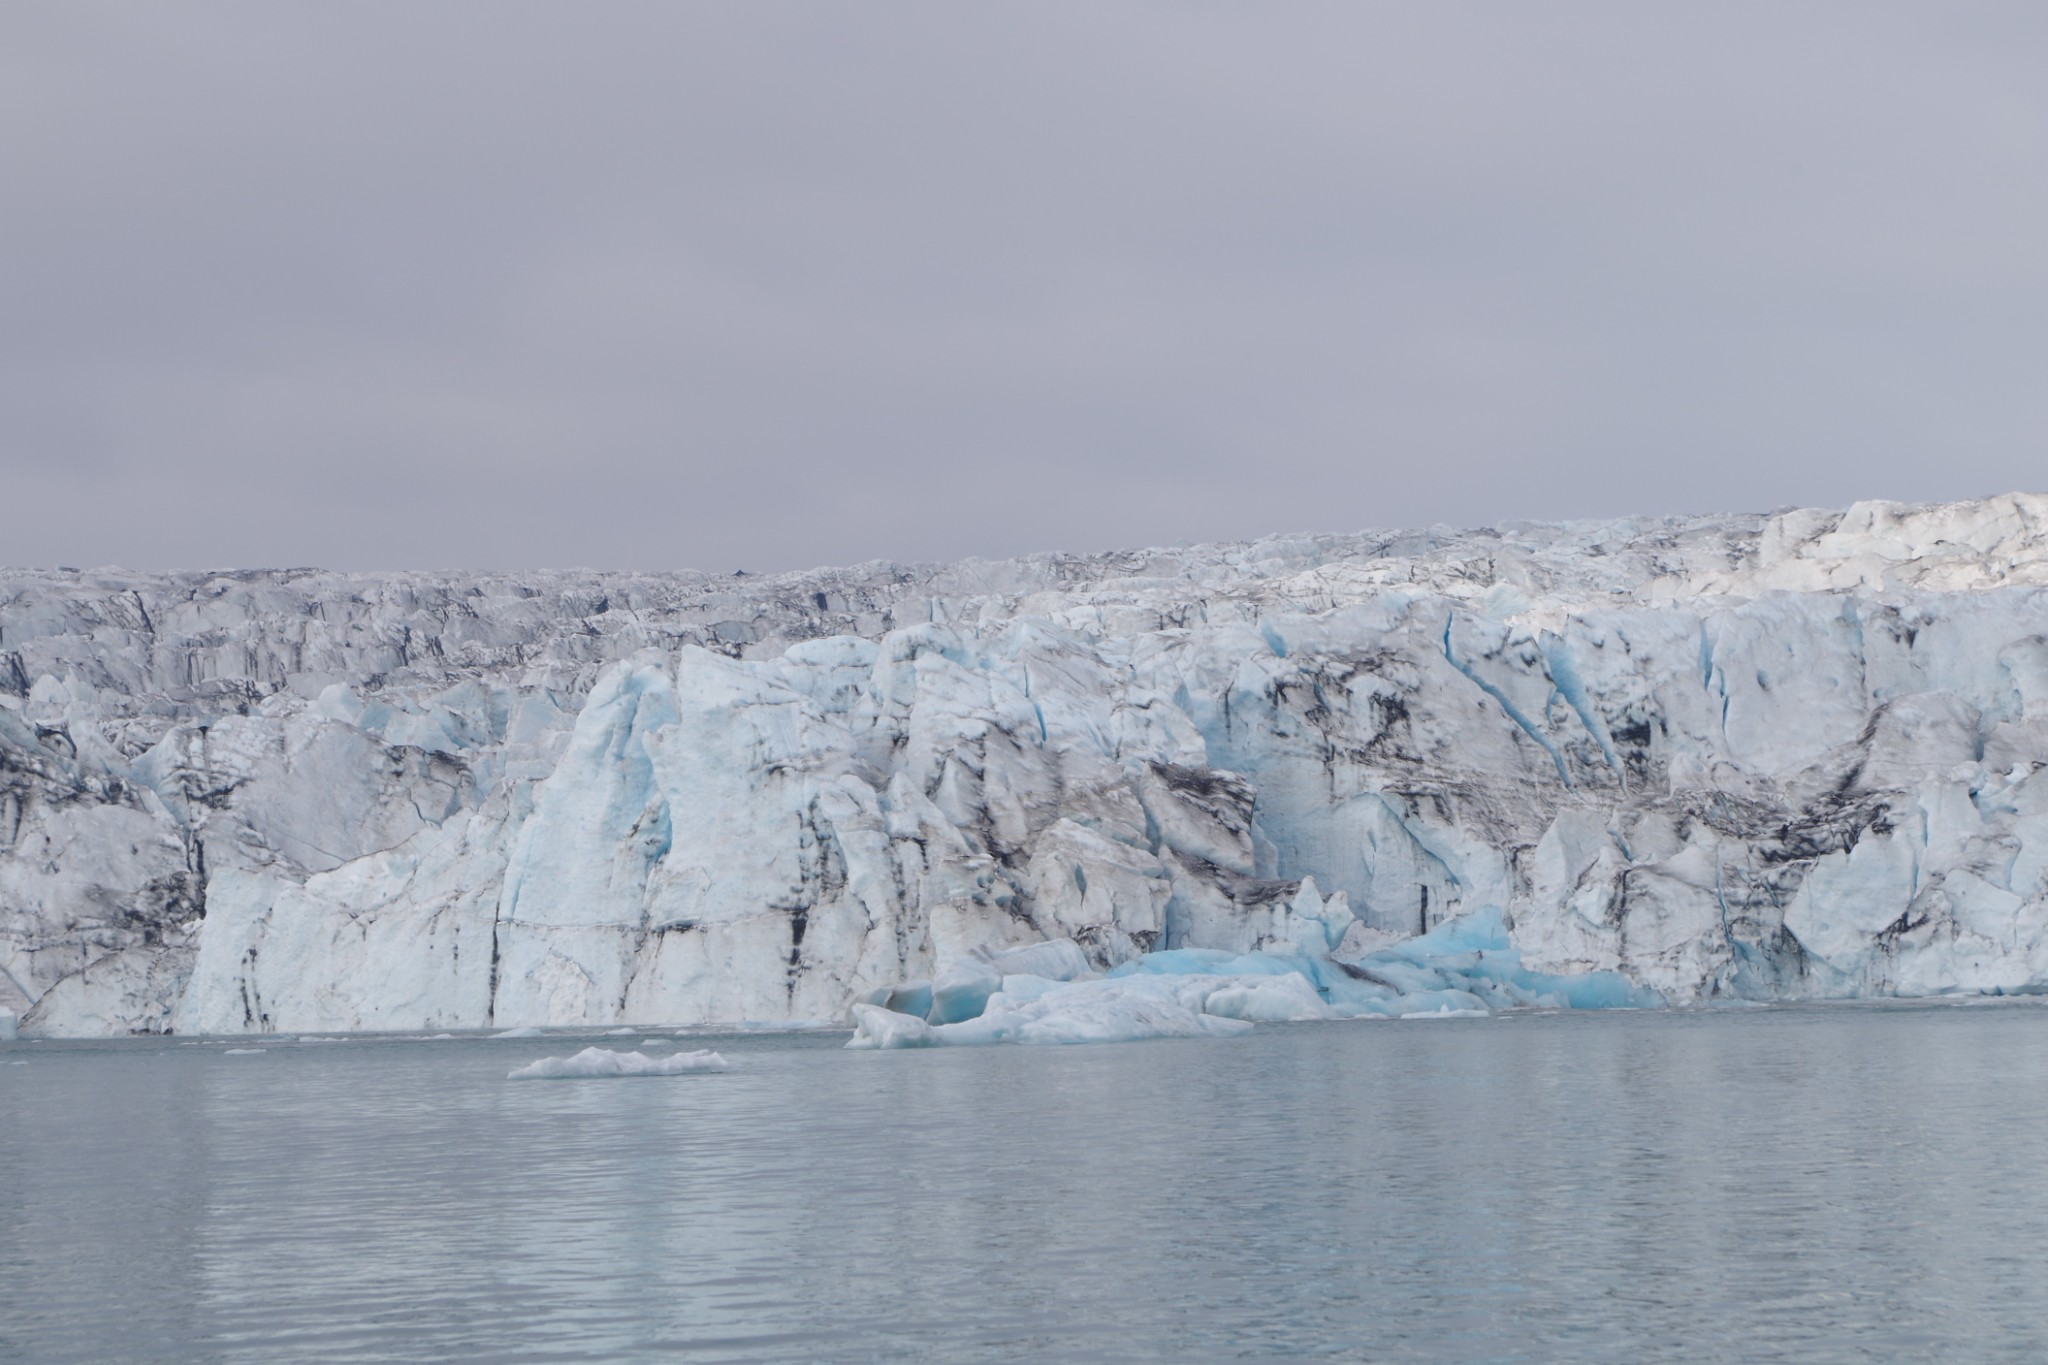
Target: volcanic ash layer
<point>1772,757</point>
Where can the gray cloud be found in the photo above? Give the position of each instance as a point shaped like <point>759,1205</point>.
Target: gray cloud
<point>715,285</point>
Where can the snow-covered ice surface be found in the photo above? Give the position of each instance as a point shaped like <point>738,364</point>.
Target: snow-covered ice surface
<point>597,1062</point>
<point>1793,756</point>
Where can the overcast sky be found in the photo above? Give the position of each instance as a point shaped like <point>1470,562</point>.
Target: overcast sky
<point>768,285</point>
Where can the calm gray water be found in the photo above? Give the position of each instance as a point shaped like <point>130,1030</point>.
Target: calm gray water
<point>1785,1184</point>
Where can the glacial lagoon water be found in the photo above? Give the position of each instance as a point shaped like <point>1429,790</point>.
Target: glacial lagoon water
<point>1809,1184</point>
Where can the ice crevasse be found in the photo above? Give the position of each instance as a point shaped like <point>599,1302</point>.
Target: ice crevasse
<point>1789,756</point>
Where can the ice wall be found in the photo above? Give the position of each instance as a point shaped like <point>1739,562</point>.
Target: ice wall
<point>1780,756</point>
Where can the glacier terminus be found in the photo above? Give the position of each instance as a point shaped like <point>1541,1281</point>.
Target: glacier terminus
<point>1793,756</point>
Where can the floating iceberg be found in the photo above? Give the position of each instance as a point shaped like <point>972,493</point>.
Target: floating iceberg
<point>595,1062</point>
<point>1462,969</point>
<point>1078,1012</point>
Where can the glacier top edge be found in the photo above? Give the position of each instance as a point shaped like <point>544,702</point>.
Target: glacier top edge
<point>1994,528</point>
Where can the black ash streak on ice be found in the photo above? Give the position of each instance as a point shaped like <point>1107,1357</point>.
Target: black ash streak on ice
<point>1775,757</point>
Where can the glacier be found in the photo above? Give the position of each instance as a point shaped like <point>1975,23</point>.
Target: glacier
<point>1788,756</point>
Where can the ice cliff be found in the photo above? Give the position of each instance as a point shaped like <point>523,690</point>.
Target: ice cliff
<point>1784,756</point>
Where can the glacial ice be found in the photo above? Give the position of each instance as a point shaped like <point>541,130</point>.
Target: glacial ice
<point>1084,1012</point>
<point>1784,757</point>
<point>1462,968</point>
<point>597,1062</point>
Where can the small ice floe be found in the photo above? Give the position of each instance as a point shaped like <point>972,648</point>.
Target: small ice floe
<point>595,1062</point>
<point>244,1051</point>
<point>620,1032</point>
<point>527,1032</point>
<point>320,1040</point>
